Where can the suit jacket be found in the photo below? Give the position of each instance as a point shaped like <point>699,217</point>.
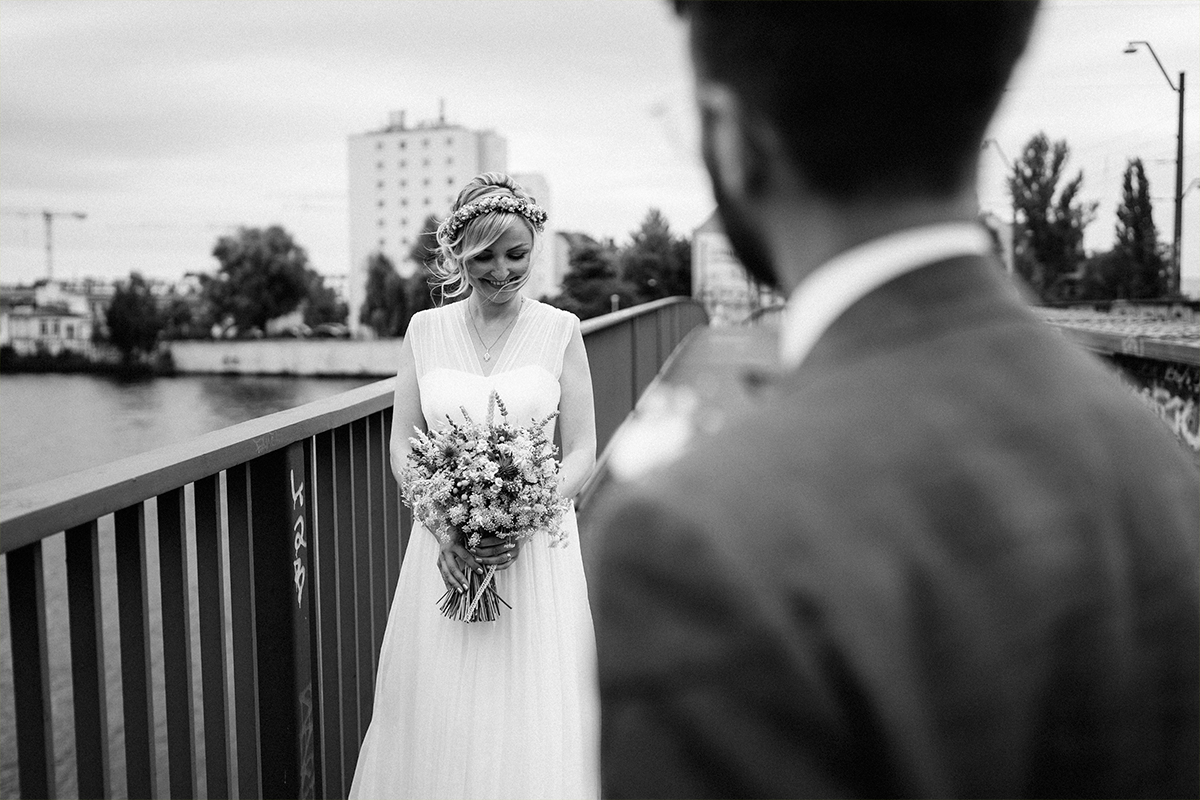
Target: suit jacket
<point>952,556</point>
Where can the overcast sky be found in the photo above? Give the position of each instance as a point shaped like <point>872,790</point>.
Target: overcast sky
<point>170,122</point>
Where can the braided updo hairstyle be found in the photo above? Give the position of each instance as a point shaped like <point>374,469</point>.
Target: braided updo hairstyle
<point>449,268</point>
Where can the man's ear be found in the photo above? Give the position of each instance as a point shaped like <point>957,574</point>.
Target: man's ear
<point>737,146</point>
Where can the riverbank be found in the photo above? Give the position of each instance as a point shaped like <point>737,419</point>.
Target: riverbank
<point>313,358</point>
<point>308,358</point>
<point>67,362</point>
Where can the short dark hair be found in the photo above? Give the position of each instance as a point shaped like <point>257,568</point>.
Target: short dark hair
<point>872,97</point>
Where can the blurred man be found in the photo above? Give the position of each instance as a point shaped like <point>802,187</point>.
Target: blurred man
<point>952,556</point>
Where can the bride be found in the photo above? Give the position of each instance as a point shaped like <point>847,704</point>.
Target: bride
<point>505,708</point>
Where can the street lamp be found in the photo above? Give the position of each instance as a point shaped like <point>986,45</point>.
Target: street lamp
<point>1173,281</point>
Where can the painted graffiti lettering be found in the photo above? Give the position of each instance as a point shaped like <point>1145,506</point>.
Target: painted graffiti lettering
<point>299,571</point>
<point>1132,345</point>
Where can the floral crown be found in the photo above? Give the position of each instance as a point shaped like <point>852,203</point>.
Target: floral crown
<point>503,202</point>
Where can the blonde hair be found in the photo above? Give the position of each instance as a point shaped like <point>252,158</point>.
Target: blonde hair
<point>455,249</point>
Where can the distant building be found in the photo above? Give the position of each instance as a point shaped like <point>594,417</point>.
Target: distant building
<point>52,316</point>
<point>719,281</point>
<point>399,176</point>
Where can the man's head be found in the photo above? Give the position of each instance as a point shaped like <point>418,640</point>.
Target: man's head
<point>859,102</point>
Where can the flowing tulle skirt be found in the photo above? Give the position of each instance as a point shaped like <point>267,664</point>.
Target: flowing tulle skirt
<point>505,709</point>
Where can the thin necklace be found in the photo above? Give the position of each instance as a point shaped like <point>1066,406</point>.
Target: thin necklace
<point>487,348</point>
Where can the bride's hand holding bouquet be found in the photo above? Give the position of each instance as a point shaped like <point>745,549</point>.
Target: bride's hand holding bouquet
<point>482,489</point>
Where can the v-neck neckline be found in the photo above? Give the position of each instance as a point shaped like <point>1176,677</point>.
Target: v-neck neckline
<point>497,355</point>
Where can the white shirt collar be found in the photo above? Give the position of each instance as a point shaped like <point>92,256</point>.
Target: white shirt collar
<point>846,278</point>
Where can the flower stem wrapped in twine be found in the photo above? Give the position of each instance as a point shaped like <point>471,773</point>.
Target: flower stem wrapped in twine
<point>479,603</point>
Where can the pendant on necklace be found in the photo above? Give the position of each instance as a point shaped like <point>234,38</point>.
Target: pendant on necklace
<point>487,356</point>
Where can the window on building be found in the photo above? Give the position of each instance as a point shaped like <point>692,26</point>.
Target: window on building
<point>379,203</point>
<point>56,329</point>
<point>70,332</point>
<point>379,185</point>
<point>45,328</point>
<point>404,221</point>
<point>450,159</point>
<point>425,182</point>
<point>426,201</point>
<point>379,165</point>
<point>403,184</point>
<point>425,162</point>
<point>403,201</point>
<point>403,144</point>
<point>381,222</point>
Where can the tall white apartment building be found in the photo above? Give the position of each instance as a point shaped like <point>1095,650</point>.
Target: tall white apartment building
<point>399,175</point>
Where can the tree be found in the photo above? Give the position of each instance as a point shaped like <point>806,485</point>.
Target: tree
<point>426,247</point>
<point>419,293</point>
<point>655,262</point>
<point>263,274</point>
<point>1049,249</point>
<point>385,308</point>
<point>323,304</point>
<point>133,319</point>
<point>1137,238</point>
<point>592,280</point>
<point>181,317</point>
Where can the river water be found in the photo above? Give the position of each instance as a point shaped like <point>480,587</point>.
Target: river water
<point>54,425</point>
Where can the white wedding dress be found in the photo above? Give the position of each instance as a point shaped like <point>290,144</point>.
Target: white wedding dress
<point>504,709</point>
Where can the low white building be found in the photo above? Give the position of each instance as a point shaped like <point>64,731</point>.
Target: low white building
<point>719,281</point>
<point>49,321</point>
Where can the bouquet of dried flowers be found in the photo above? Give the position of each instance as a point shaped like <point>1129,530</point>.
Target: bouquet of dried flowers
<point>471,480</point>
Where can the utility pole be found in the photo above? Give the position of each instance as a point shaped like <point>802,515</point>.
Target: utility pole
<point>48,217</point>
<point>1176,241</point>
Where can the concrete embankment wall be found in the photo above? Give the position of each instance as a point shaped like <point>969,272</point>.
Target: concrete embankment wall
<point>308,357</point>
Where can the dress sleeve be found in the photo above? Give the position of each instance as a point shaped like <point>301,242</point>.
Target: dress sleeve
<point>416,336</point>
<point>567,324</point>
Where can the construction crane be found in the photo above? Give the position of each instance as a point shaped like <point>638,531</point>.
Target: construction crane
<point>48,216</point>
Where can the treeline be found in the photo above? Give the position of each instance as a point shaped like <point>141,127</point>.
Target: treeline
<point>654,263</point>
<point>1050,218</point>
<point>263,275</point>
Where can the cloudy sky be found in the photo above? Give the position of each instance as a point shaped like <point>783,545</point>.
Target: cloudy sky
<point>170,122</point>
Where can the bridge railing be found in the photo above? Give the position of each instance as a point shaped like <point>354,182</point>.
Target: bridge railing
<point>205,619</point>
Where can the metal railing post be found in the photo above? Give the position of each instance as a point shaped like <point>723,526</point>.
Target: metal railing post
<point>283,622</point>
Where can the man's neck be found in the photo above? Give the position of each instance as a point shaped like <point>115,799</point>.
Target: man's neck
<point>804,235</point>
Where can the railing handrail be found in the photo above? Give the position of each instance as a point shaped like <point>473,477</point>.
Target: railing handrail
<point>617,317</point>
<point>35,512</point>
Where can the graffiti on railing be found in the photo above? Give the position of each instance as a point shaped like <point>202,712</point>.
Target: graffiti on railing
<point>266,442</point>
<point>308,753</point>
<point>298,542</point>
<point>1171,390</point>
